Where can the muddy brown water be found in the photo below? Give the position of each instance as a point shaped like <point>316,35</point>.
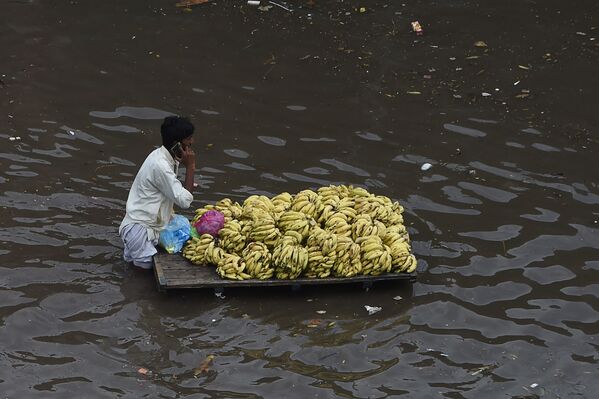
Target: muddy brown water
<point>504,223</point>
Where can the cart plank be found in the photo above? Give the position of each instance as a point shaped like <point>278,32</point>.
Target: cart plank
<point>176,272</point>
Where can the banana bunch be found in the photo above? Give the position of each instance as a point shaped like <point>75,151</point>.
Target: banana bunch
<point>401,255</point>
<point>295,221</point>
<point>214,254</point>
<point>195,249</point>
<point>374,207</point>
<point>258,261</point>
<point>399,229</point>
<point>289,257</point>
<point>263,229</point>
<point>231,210</point>
<point>254,202</point>
<point>365,226</point>
<point>308,203</point>
<point>322,253</point>
<point>357,192</point>
<point>323,239</point>
<point>281,203</point>
<point>409,266</point>
<point>231,237</point>
<point>375,256</point>
<point>397,208</point>
<point>334,204</point>
<point>348,263</point>
<point>319,266</point>
<point>341,191</point>
<point>328,192</point>
<point>232,267</point>
<point>338,223</point>
<point>393,218</point>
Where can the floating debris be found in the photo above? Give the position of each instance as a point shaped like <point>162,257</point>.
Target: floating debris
<point>281,6</point>
<point>204,367</point>
<point>219,295</point>
<point>417,28</point>
<point>372,309</point>
<point>314,323</point>
<point>189,3</point>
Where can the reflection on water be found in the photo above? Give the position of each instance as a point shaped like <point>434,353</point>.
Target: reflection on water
<point>132,112</point>
<point>504,223</point>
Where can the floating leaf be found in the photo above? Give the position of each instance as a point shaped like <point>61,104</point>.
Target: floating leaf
<point>480,43</point>
<point>204,367</point>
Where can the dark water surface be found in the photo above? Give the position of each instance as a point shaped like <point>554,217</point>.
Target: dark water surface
<point>504,223</point>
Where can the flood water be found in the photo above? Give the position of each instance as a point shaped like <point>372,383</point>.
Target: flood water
<point>504,223</point>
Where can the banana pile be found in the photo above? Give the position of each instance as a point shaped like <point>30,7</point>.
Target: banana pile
<point>336,231</point>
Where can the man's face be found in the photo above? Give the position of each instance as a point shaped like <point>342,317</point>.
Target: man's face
<point>187,142</point>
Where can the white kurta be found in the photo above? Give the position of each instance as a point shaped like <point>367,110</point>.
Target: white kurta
<point>154,192</point>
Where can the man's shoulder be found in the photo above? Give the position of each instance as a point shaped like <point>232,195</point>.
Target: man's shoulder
<point>156,158</point>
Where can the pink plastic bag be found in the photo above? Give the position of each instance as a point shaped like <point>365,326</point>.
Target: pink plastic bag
<point>210,223</point>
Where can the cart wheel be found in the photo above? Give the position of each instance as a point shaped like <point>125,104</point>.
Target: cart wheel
<point>218,291</point>
<point>367,285</point>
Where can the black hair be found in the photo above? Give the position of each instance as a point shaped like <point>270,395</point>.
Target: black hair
<point>175,128</point>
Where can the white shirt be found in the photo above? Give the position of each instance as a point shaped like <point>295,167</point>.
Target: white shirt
<point>153,193</point>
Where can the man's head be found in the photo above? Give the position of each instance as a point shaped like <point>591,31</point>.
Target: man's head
<point>176,129</point>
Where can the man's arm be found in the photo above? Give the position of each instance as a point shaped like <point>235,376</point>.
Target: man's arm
<point>189,160</point>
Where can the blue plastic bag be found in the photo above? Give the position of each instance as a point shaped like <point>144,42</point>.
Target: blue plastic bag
<point>175,234</point>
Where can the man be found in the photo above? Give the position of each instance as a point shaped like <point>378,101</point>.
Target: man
<point>156,189</point>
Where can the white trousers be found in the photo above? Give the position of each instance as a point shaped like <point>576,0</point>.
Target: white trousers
<point>138,248</point>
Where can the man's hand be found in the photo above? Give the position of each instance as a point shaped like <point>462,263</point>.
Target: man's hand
<point>188,157</point>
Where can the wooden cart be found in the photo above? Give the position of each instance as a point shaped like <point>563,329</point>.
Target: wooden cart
<point>176,272</point>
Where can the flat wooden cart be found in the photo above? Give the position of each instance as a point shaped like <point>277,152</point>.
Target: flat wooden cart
<point>176,272</point>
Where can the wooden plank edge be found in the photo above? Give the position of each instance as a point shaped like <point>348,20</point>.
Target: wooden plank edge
<point>159,274</point>
<point>174,283</point>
